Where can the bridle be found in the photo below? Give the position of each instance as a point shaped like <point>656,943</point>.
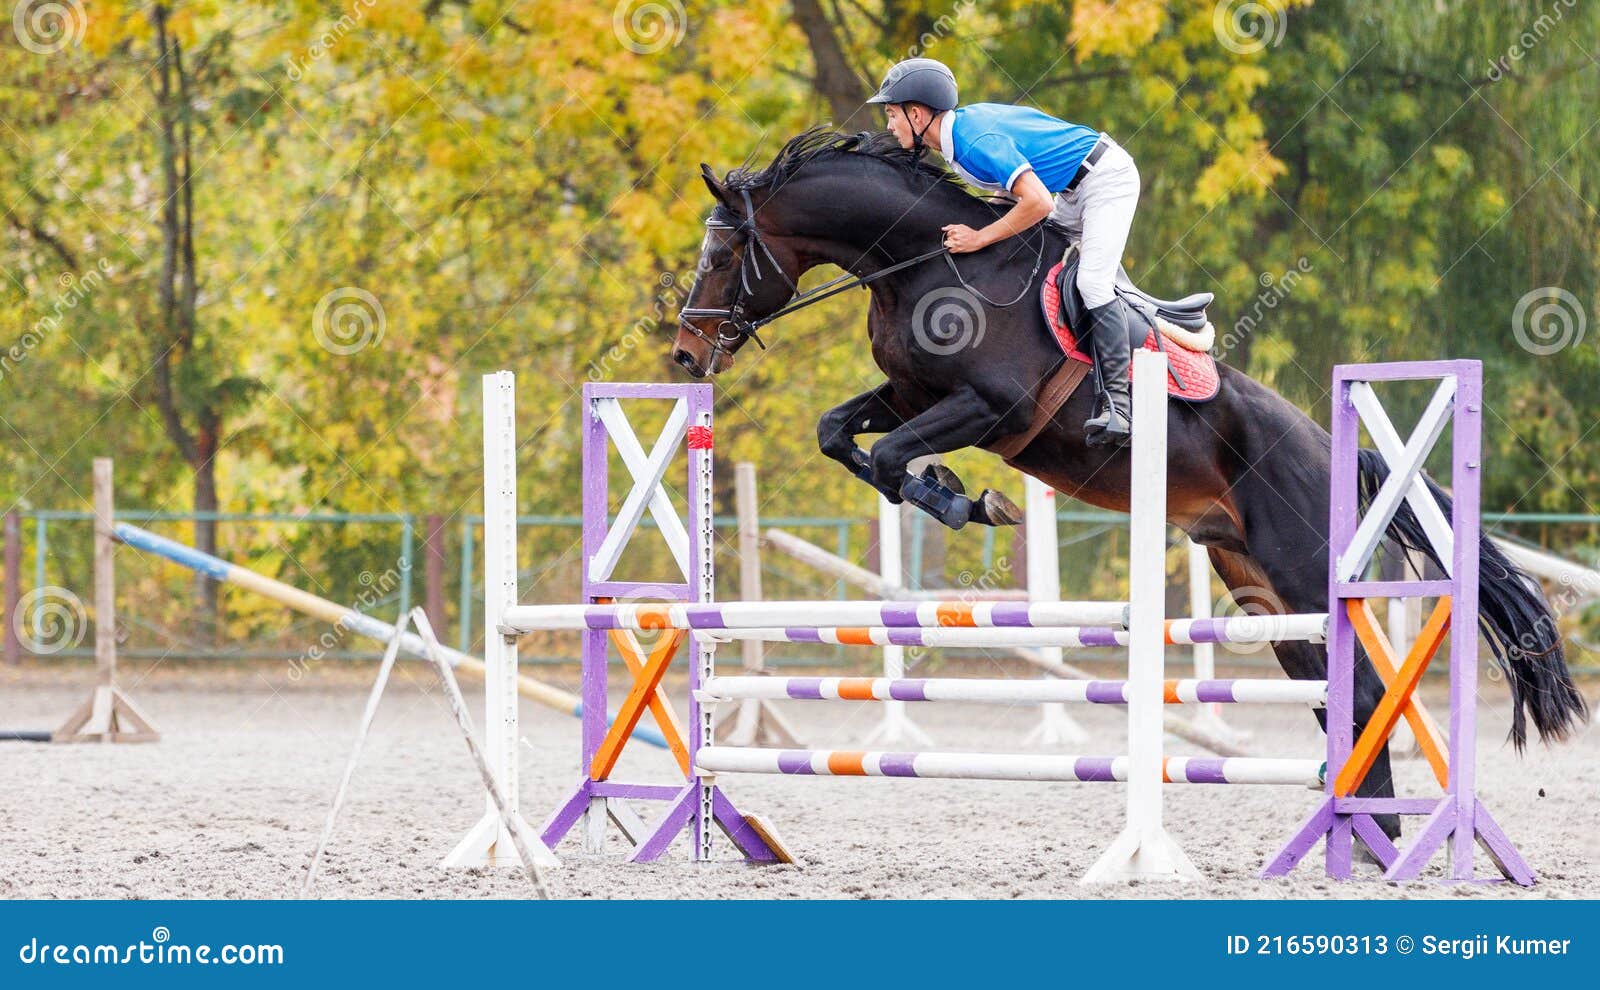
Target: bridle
<point>733,328</point>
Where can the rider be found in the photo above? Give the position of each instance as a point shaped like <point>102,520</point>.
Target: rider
<point>1067,172</point>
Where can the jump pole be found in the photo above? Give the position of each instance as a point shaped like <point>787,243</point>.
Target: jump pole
<point>755,721</point>
<point>109,715</point>
<point>341,616</point>
<point>896,725</point>
<point>1043,576</point>
<point>1144,849</point>
<point>13,591</point>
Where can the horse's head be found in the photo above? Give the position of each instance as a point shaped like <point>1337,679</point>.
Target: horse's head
<point>744,275</point>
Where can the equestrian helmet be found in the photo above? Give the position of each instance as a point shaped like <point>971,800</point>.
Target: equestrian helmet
<point>918,80</point>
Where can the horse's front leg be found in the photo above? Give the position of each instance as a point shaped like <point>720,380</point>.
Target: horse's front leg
<point>959,420</point>
<point>870,412</point>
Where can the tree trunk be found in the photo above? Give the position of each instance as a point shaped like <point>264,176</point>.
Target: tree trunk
<point>178,294</point>
<point>835,80</point>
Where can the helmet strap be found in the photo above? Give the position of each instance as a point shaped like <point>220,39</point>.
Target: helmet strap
<point>917,143</point>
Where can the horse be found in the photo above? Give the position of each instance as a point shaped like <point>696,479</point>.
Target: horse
<point>1249,472</point>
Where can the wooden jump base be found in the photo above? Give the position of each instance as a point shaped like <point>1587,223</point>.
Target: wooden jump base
<point>699,806</point>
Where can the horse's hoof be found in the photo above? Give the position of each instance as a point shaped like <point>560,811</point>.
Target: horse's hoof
<point>939,474</point>
<point>994,509</point>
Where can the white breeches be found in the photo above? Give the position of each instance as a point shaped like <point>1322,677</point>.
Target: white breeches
<point>1099,214</point>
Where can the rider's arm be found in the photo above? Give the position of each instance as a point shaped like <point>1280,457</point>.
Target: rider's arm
<point>1034,203</point>
<point>997,157</point>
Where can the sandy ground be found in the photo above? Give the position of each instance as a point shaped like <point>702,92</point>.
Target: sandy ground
<point>229,804</point>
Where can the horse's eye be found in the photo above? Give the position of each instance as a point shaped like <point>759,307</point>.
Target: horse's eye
<point>716,260</point>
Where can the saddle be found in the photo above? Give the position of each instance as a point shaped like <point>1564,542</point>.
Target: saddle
<point>1152,323</point>
<point>1145,309</point>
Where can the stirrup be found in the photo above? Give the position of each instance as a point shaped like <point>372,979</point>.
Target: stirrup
<point>1109,429</point>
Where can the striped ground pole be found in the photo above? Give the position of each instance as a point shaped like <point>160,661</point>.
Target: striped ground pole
<point>742,615</point>
<point>1004,766</point>
<point>1009,691</point>
<point>1242,629</point>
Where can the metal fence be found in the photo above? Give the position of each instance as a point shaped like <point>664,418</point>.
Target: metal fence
<point>48,553</point>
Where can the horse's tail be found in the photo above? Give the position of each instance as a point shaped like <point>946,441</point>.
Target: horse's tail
<point>1512,613</point>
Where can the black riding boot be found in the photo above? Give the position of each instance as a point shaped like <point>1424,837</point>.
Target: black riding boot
<point>1108,342</point>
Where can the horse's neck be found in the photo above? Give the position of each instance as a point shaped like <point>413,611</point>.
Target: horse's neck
<point>885,227</point>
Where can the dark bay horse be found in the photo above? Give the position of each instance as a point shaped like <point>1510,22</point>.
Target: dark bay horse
<point>1249,472</point>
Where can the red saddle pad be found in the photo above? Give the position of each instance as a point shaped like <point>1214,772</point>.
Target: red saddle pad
<point>1196,370</point>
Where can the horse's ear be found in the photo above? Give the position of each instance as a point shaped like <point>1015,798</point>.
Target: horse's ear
<point>718,190</point>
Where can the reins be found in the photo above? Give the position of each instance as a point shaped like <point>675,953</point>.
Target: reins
<point>735,329</point>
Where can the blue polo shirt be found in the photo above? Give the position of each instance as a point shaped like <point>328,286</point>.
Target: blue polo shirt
<point>991,144</point>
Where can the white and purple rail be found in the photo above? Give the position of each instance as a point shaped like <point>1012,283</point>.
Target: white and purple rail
<point>1236,630</point>
<point>1010,691</point>
<point>1004,766</point>
<point>761,615</point>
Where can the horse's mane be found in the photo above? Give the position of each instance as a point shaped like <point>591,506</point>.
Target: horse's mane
<point>822,144</point>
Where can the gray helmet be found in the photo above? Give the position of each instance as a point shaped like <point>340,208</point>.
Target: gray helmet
<point>918,80</point>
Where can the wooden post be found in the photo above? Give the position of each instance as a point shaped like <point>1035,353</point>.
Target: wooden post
<point>755,721</point>
<point>433,571</point>
<point>108,715</point>
<point>13,596</point>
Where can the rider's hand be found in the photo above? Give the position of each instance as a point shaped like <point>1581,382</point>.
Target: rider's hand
<point>961,239</point>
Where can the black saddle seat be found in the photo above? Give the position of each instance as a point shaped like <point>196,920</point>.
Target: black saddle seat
<point>1188,312</point>
<point>1194,303</point>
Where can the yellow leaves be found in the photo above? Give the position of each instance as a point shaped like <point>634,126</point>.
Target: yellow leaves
<point>1248,171</point>
<point>1243,79</point>
<point>402,18</point>
<point>1454,162</point>
<point>1486,204</point>
<point>1107,27</point>
<point>398,95</point>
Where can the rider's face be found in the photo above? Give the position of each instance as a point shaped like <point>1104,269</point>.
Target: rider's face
<point>900,126</point>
